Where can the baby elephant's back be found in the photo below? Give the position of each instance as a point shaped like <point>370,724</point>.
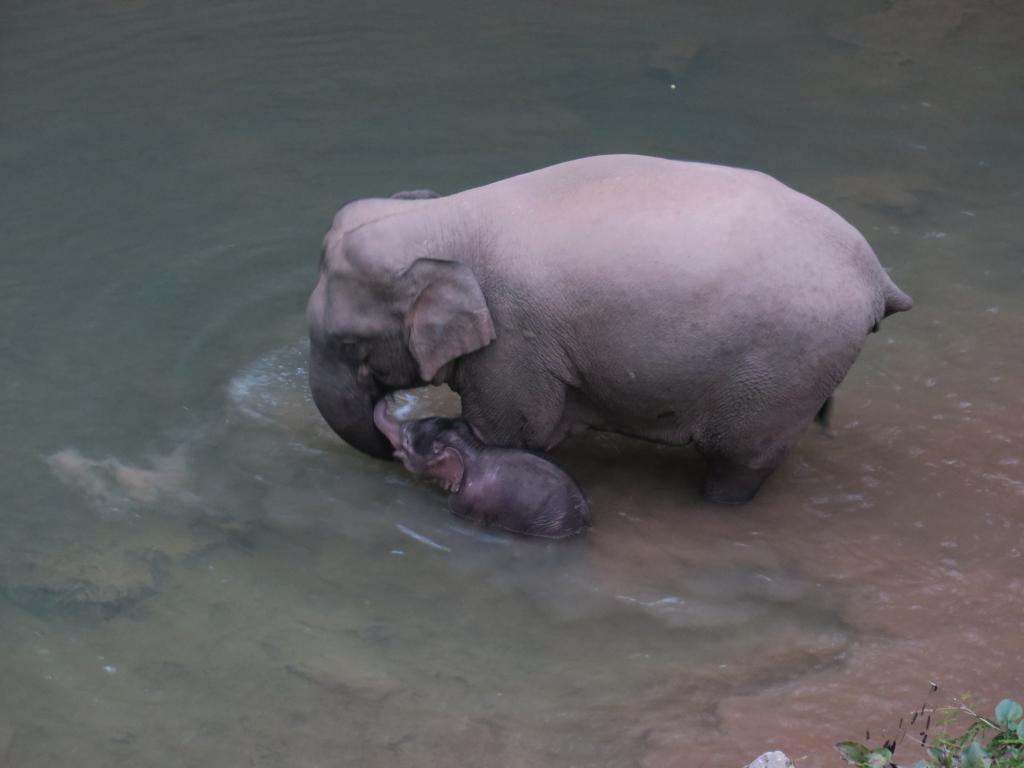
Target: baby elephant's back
<point>527,494</point>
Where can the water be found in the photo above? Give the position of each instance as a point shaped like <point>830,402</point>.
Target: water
<point>194,571</point>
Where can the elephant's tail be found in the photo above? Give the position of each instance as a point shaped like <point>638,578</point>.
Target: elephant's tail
<point>895,299</point>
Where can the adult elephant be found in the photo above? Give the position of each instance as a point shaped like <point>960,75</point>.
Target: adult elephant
<point>670,301</point>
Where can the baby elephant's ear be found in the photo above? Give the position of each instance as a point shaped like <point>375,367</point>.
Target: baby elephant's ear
<point>448,318</point>
<point>448,468</point>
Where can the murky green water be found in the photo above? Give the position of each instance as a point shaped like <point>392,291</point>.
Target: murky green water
<point>195,572</point>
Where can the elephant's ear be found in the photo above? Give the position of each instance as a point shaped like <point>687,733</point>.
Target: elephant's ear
<point>448,318</point>
<point>448,469</point>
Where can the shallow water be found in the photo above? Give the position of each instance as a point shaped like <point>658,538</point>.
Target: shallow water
<point>194,571</point>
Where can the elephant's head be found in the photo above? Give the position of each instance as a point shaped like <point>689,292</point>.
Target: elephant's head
<point>388,312</point>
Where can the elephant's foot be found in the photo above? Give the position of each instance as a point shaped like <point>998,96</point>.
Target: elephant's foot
<point>728,482</point>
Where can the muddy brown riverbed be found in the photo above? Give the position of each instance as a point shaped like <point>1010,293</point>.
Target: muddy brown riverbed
<point>195,572</point>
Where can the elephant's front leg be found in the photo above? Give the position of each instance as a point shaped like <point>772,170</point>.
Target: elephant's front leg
<point>520,411</point>
<point>727,481</point>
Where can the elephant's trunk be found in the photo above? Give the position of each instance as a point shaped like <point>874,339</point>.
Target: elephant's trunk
<point>346,403</point>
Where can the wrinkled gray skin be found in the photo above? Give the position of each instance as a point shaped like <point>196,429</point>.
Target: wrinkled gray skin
<point>675,302</point>
<point>502,488</point>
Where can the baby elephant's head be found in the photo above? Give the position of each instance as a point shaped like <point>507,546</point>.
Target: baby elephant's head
<point>433,448</point>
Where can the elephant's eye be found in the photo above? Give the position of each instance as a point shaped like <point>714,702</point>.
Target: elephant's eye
<point>336,342</point>
<point>351,350</point>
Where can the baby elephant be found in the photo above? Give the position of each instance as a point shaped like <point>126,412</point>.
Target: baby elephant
<point>512,490</point>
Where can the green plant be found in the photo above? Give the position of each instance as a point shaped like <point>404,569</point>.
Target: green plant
<point>983,742</point>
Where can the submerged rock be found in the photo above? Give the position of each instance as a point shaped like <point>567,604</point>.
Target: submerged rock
<point>670,60</point>
<point>85,583</point>
<point>904,194</point>
<point>772,760</point>
<point>915,50</point>
<point>908,27</point>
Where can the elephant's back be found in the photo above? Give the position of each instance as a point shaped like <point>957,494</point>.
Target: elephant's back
<point>627,228</point>
<point>676,280</point>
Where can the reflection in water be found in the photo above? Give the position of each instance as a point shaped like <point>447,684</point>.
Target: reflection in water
<point>194,570</point>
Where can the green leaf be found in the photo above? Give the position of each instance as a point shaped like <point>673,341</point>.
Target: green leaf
<point>879,758</point>
<point>852,752</point>
<point>974,757</point>
<point>973,731</point>
<point>1008,712</point>
<point>1020,730</point>
<point>938,754</point>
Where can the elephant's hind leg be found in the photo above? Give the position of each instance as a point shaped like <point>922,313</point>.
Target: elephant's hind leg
<point>751,425</point>
<point>522,411</point>
<point>741,454</point>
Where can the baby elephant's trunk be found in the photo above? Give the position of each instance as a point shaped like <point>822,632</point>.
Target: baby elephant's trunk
<point>390,428</point>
